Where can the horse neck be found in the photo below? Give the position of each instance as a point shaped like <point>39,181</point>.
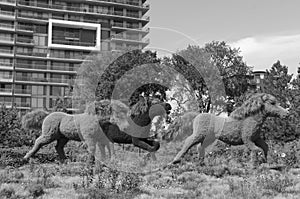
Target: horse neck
<point>142,119</point>
<point>260,117</point>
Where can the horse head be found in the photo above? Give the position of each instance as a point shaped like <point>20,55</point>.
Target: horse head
<point>260,103</point>
<point>272,107</point>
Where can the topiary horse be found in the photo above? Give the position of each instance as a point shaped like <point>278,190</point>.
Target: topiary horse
<point>242,127</point>
<point>140,120</point>
<point>85,127</point>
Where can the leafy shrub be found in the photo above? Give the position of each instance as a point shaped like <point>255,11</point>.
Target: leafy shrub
<point>243,189</point>
<point>7,191</point>
<point>11,132</point>
<point>36,190</point>
<point>274,182</point>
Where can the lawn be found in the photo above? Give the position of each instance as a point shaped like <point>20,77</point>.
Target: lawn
<point>226,174</point>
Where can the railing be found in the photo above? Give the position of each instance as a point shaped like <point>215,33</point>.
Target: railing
<point>64,68</point>
<point>6,103</point>
<point>31,16</point>
<point>22,91</point>
<point>6,38</point>
<point>8,1</point>
<point>135,27</point>
<point>31,66</point>
<point>24,27</point>
<point>5,90</point>
<point>25,40</point>
<point>134,15</point>
<point>8,13</point>
<point>40,79</point>
<point>76,9</point>
<point>73,43</point>
<point>3,25</point>
<point>66,56</point>
<point>27,105</point>
<point>6,51</point>
<point>6,77</point>
<point>126,2</point>
<point>8,65</point>
<point>130,38</point>
<point>36,54</point>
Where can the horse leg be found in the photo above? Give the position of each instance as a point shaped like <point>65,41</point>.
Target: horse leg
<point>102,151</point>
<point>142,143</point>
<point>253,148</point>
<point>263,145</point>
<point>188,143</point>
<point>61,142</point>
<point>40,141</point>
<point>91,150</point>
<point>208,140</point>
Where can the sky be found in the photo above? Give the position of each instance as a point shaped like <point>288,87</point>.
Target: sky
<point>264,30</point>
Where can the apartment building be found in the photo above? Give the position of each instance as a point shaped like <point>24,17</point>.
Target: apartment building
<point>43,42</point>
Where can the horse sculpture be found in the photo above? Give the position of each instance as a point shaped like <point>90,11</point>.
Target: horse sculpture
<point>79,127</point>
<point>138,132</point>
<point>242,127</point>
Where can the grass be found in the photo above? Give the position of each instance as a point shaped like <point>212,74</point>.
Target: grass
<point>225,175</point>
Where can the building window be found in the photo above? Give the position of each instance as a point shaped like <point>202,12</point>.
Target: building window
<point>38,90</point>
<point>37,102</point>
<point>55,91</point>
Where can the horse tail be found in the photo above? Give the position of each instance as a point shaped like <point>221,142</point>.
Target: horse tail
<point>34,119</point>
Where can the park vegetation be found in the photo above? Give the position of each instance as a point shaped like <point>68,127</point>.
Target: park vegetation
<point>226,173</point>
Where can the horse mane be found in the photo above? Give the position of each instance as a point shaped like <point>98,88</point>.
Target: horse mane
<point>251,106</point>
<point>139,108</point>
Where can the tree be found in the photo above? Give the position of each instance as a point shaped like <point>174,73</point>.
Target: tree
<point>216,73</point>
<point>277,82</point>
<point>235,73</point>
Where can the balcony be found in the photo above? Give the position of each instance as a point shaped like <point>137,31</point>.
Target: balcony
<point>22,91</point>
<point>7,27</point>
<point>6,104</point>
<point>73,43</point>
<point>6,52</point>
<point>33,54</point>
<point>6,78</point>
<point>6,40</point>
<point>39,80</point>
<point>24,28</point>
<point>25,41</point>
<point>75,58</point>
<point>7,66</point>
<point>129,39</point>
<point>22,105</point>
<point>73,9</point>
<point>5,91</point>
<point>8,2</point>
<point>30,17</point>
<point>126,3</point>
<point>30,67</point>
<point>130,28</point>
<point>7,14</point>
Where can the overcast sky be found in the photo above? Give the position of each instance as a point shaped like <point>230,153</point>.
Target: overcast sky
<point>264,30</point>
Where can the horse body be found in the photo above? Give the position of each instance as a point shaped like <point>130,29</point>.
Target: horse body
<point>138,131</point>
<point>85,127</point>
<point>242,127</point>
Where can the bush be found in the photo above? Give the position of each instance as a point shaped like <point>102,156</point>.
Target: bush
<point>36,190</point>
<point>7,191</point>
<point>11,132</point>
<point>274,182</point>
